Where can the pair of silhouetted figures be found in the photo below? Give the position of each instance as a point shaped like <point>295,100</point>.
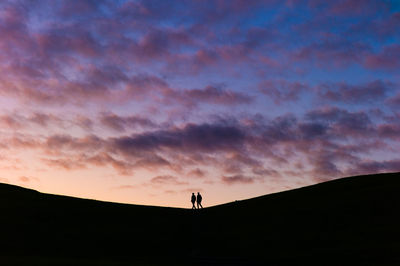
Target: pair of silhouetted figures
<point>197,199</point>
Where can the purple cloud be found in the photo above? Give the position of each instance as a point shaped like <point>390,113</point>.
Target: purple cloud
<point>205,137</point>
<point>387,59</point>
<point>282,91</point>
<point>216,95</point>
<point>394,101</point>
<point>237,179</point>
<point>120,123</point>
<point>369,166</point>
<point>166,180</point>
<point>342,92</point>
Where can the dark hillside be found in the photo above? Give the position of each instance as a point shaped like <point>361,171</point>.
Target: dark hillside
<point>350,221</point>
<point>44,225</point>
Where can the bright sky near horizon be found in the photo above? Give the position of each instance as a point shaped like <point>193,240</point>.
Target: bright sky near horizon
<point>147,101</point>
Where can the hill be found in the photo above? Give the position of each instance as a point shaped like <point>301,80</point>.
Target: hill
<point>349,221</point>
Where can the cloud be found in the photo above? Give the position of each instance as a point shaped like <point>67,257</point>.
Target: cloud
<point>371,166</point>
<point>152,162</point>
<point>386,59</point>
<point>65,164</point>
<point>11,121</point>
<point>389,131</point>
<point>356,7</point>
<point>22,142</point>
<point>342,122</point>
<point>197,173</point>
<point>104,159</point>
<point>43,119</point>
<point>166,180</point>
<point>237,179</point>
<point>192,190</point>
<point>216,95</point>
<point>342,92</point>
<point>239,162</point>
<point>24,121</point>
<point>282,128</point>
<point>122,187</point>
<point>312,131</point>
<point>329,53</point>
<point>394,100</point>
<point>282,91</point>
<point>190,138</point>
<point>66,142</point>
<point>324,165</point>
<point>234,147</point>
<point>391,23</point>
<point>26,179</point>
<point>84,122</point>
<point>238,149</point>
<point>121,123</point>
<point>81,8</point>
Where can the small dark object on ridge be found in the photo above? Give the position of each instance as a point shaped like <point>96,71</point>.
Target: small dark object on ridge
<point>199,199</point>
<point>193,200</point>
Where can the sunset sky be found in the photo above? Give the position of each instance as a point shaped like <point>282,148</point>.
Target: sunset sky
<point>145,102</point>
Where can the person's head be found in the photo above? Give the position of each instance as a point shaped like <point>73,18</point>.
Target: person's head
<point>193,193</point>
<point>198,193</point>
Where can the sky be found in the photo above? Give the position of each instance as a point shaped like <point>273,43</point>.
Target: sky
<point>145,102</point>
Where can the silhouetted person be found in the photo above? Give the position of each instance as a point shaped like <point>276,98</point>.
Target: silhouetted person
<point>193,201</point>
<point>199,199</point>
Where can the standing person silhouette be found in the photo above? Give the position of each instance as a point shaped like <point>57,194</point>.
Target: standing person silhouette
<point>199,198</point>
<point>193,201</point>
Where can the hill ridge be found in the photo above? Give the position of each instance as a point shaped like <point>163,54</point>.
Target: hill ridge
<point>342,181</point>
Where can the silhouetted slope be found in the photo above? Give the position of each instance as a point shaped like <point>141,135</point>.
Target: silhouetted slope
<point>353,221</point>
<point>346,221</point>
<point>48,225</point>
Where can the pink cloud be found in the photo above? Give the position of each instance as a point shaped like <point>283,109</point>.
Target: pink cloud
<point>282,91</point>
<point>152,162</point>
<point>395,100</point>
<point>23,142</point>
<point>104,159</point>
<point>391,131</point>
<point>66,142</point>
<point>121,123</point>
<point>84,122</point>
<point>167,180</point>
<point>26,179</point>
<point>65,164</point>
<point>371,166</point>
<point>215,95</point>
<point>11,121</point>
<point>356,7</point>
<point>387,59</point>
<point>343,92</point>
<point>125,187</point>
<point>197,173</point>
<point>232,147</point>
<point>237,179</point>
<point>332,53</point>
